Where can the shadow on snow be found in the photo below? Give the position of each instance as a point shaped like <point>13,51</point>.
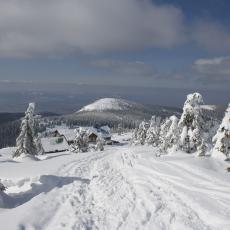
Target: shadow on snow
<point>45,184</point>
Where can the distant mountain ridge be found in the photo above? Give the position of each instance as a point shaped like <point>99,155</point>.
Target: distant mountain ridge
<point>106,104</point>
<point>113,111</point>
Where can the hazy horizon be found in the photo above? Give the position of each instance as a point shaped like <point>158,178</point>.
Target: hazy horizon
<point>68,98</point>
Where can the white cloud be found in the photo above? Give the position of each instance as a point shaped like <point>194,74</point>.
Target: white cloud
<point>62,27</point>
<point>215,69</point>
<point>212,61</point>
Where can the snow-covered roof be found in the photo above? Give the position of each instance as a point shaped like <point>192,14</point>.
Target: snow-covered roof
<point>63,130</point>
<point>54,144</point>
<point>104,133</point>
<point>68,133</point>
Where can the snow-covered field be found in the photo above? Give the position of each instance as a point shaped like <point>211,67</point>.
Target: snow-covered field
<point>123,187</point>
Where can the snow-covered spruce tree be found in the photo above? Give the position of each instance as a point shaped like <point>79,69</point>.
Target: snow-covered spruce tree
<point>134,137</point>
<point>25,142</point>
<point>184,143</point>
<point>142,131</point>
<point>139,134</point>
<point>152,135</point>
<point>173,133</point>
<point>99,144</point>
<point>81,142</point>
<point>191,124</point>
<point>222,138</point>
<point>170,138</point>
<point>38,143</point>
<point>164,128</point>
<point>201,150</point>
<point>119,129</point>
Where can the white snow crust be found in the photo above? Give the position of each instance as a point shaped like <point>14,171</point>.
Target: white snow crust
<point>123,187</point>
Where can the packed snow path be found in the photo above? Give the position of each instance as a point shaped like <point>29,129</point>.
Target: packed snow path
<point>125,188</point>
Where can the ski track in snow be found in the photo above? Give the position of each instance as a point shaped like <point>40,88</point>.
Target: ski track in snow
<point>121,189</point>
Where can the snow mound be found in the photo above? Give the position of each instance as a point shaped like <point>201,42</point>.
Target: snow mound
<point>105,104</point>
<point>26,158</point>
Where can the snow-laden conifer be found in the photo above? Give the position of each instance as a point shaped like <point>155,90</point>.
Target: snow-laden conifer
<point>25,142</point>
<point>191,124</point>
<point>139,135</point>
<point>119,129</point>
<point>99,144</point>
<point>152,134</point>
<point>164,128</point>
<point>222,138</point>
<point>201,150</point>
<point>170,139</point>
<point>81,141</point>
<point>134,137</point>
<point>38,143</point>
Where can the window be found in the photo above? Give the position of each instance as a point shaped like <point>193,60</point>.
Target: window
<point>59,140</point>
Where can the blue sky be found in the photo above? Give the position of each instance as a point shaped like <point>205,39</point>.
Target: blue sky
<point>159,43</point>
<point>211,9</point>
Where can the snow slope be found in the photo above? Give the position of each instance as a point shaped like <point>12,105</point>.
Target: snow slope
<point>124,187</point>
<point>106,104</point>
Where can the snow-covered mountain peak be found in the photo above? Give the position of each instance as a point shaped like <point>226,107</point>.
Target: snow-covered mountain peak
<point>105,104</point>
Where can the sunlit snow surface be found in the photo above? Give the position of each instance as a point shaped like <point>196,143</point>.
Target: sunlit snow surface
<point>124,187</point>
<point>108,104</point>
